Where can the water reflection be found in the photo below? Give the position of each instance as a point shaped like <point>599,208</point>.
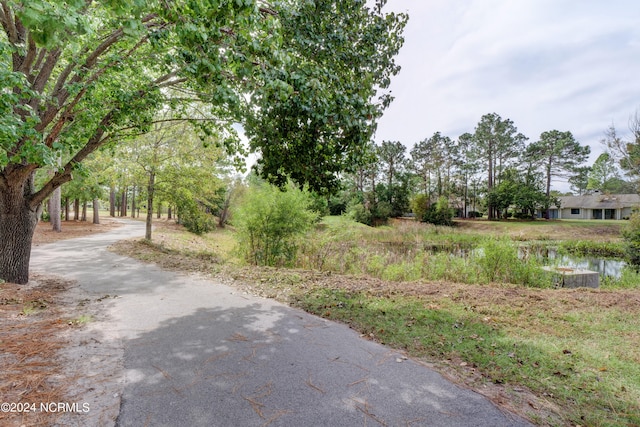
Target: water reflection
<point>546,255</point>
<point>606,267</point>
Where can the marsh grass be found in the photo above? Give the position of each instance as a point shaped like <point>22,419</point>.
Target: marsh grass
<point>413,251</point>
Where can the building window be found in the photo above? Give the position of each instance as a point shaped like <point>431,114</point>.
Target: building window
<point>575,211</point>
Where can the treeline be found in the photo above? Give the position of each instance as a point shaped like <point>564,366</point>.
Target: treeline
<point>495,170</point>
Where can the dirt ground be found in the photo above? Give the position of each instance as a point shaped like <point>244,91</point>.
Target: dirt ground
<point>70,230</point>
<point>40,324</point>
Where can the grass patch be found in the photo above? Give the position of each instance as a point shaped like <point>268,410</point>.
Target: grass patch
<point>592,248</point>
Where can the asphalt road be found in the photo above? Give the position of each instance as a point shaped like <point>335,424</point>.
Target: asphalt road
<point>190,352</point>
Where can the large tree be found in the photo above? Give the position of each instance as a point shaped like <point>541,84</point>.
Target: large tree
<point>78,75</point>
<point>603,170</point>
<point>318,114</point>
<point>626,149</point>
<point>499,145</point>
<point>391,155</point>
<point>558,154</point>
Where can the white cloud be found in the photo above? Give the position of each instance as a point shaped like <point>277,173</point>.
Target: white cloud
<point>545,64</point>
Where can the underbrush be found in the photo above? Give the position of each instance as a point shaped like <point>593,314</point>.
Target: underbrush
<point>590,247</point>
<point>418,253</point>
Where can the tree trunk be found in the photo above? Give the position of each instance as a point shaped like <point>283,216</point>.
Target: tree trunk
<point>123,202</point>
<point>96,211</point>
<point>133,202</point>
<point>66,209</point>
<point>17,224</point>
<point>150,191</point>
<point>112,201</point>
<point>159,210</point>
<point>54,210</point>
<point>224,212</point>
<point>76,209</point>
<point>83,217</point>
<point>169,212</point>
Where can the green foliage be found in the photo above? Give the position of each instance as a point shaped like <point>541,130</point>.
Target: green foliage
<point>629,279</point>
<point>499,262</point>
<point>191,213</point>
<point>590,247</point>
<point>372,214</point>
<point>440,213</point>
<point>321,100</point>
<point>420,205</point>
<point>269,221</point>
<point>631,236</point>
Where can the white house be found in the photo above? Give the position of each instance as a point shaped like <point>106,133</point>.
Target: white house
<point>596,206</point>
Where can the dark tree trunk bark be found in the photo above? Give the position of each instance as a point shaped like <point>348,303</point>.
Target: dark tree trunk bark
<point>96,211</point>
<point>133,202</point>
<point>123,202</point>
<point>83,217</point>
<point>17,224</point>
<point>159,211</point>
<point>112,201</point>
<point>66,209</point>
<point>150,191</point>
<point>76,209</point>
<point>169,212</point>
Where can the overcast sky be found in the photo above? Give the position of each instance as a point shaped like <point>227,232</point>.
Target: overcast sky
<point>570,65</point>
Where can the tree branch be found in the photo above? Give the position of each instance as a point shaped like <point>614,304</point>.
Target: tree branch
<point>65,175</point>
<point>45,72</point>
<point>9,24</point>
<point>25,66</point>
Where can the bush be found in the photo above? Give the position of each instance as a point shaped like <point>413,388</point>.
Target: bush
<point>192,215</point>
<point>474,214</point>
<point>440,213</point>
<point>523,215</point>
<point>377,214</point>
<point>631,236</point>
<point>420,205</point>
<point>269,222</point>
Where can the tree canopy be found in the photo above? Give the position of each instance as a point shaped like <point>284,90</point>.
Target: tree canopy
<point>80,74</point>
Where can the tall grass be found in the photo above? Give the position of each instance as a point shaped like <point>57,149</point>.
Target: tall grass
<point>414,252</point>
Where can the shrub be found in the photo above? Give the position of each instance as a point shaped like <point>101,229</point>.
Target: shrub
<point>631,236</point>
<point>420,205</point>
<point>370,213</point>
<point>474,214</point>
<point>269,221</point>
<point>192,214</point>
<point>523,215</point>
<point>440,213</point>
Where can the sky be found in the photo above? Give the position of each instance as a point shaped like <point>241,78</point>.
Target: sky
<point>568,65</point>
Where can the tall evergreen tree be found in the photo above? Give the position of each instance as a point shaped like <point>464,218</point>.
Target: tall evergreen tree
<point>558,154</point>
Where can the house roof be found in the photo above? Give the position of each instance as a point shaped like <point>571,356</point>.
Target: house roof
<point>600,201</point>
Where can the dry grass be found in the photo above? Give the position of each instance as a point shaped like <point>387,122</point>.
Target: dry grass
<point>33,319</point>
<point>35,329</point>
<point>599,230</point>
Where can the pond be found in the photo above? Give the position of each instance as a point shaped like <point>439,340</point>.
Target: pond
<point>606,267</point>
<point>546,255</point>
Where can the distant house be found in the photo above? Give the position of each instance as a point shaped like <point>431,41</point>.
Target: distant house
<point>596,205</point>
